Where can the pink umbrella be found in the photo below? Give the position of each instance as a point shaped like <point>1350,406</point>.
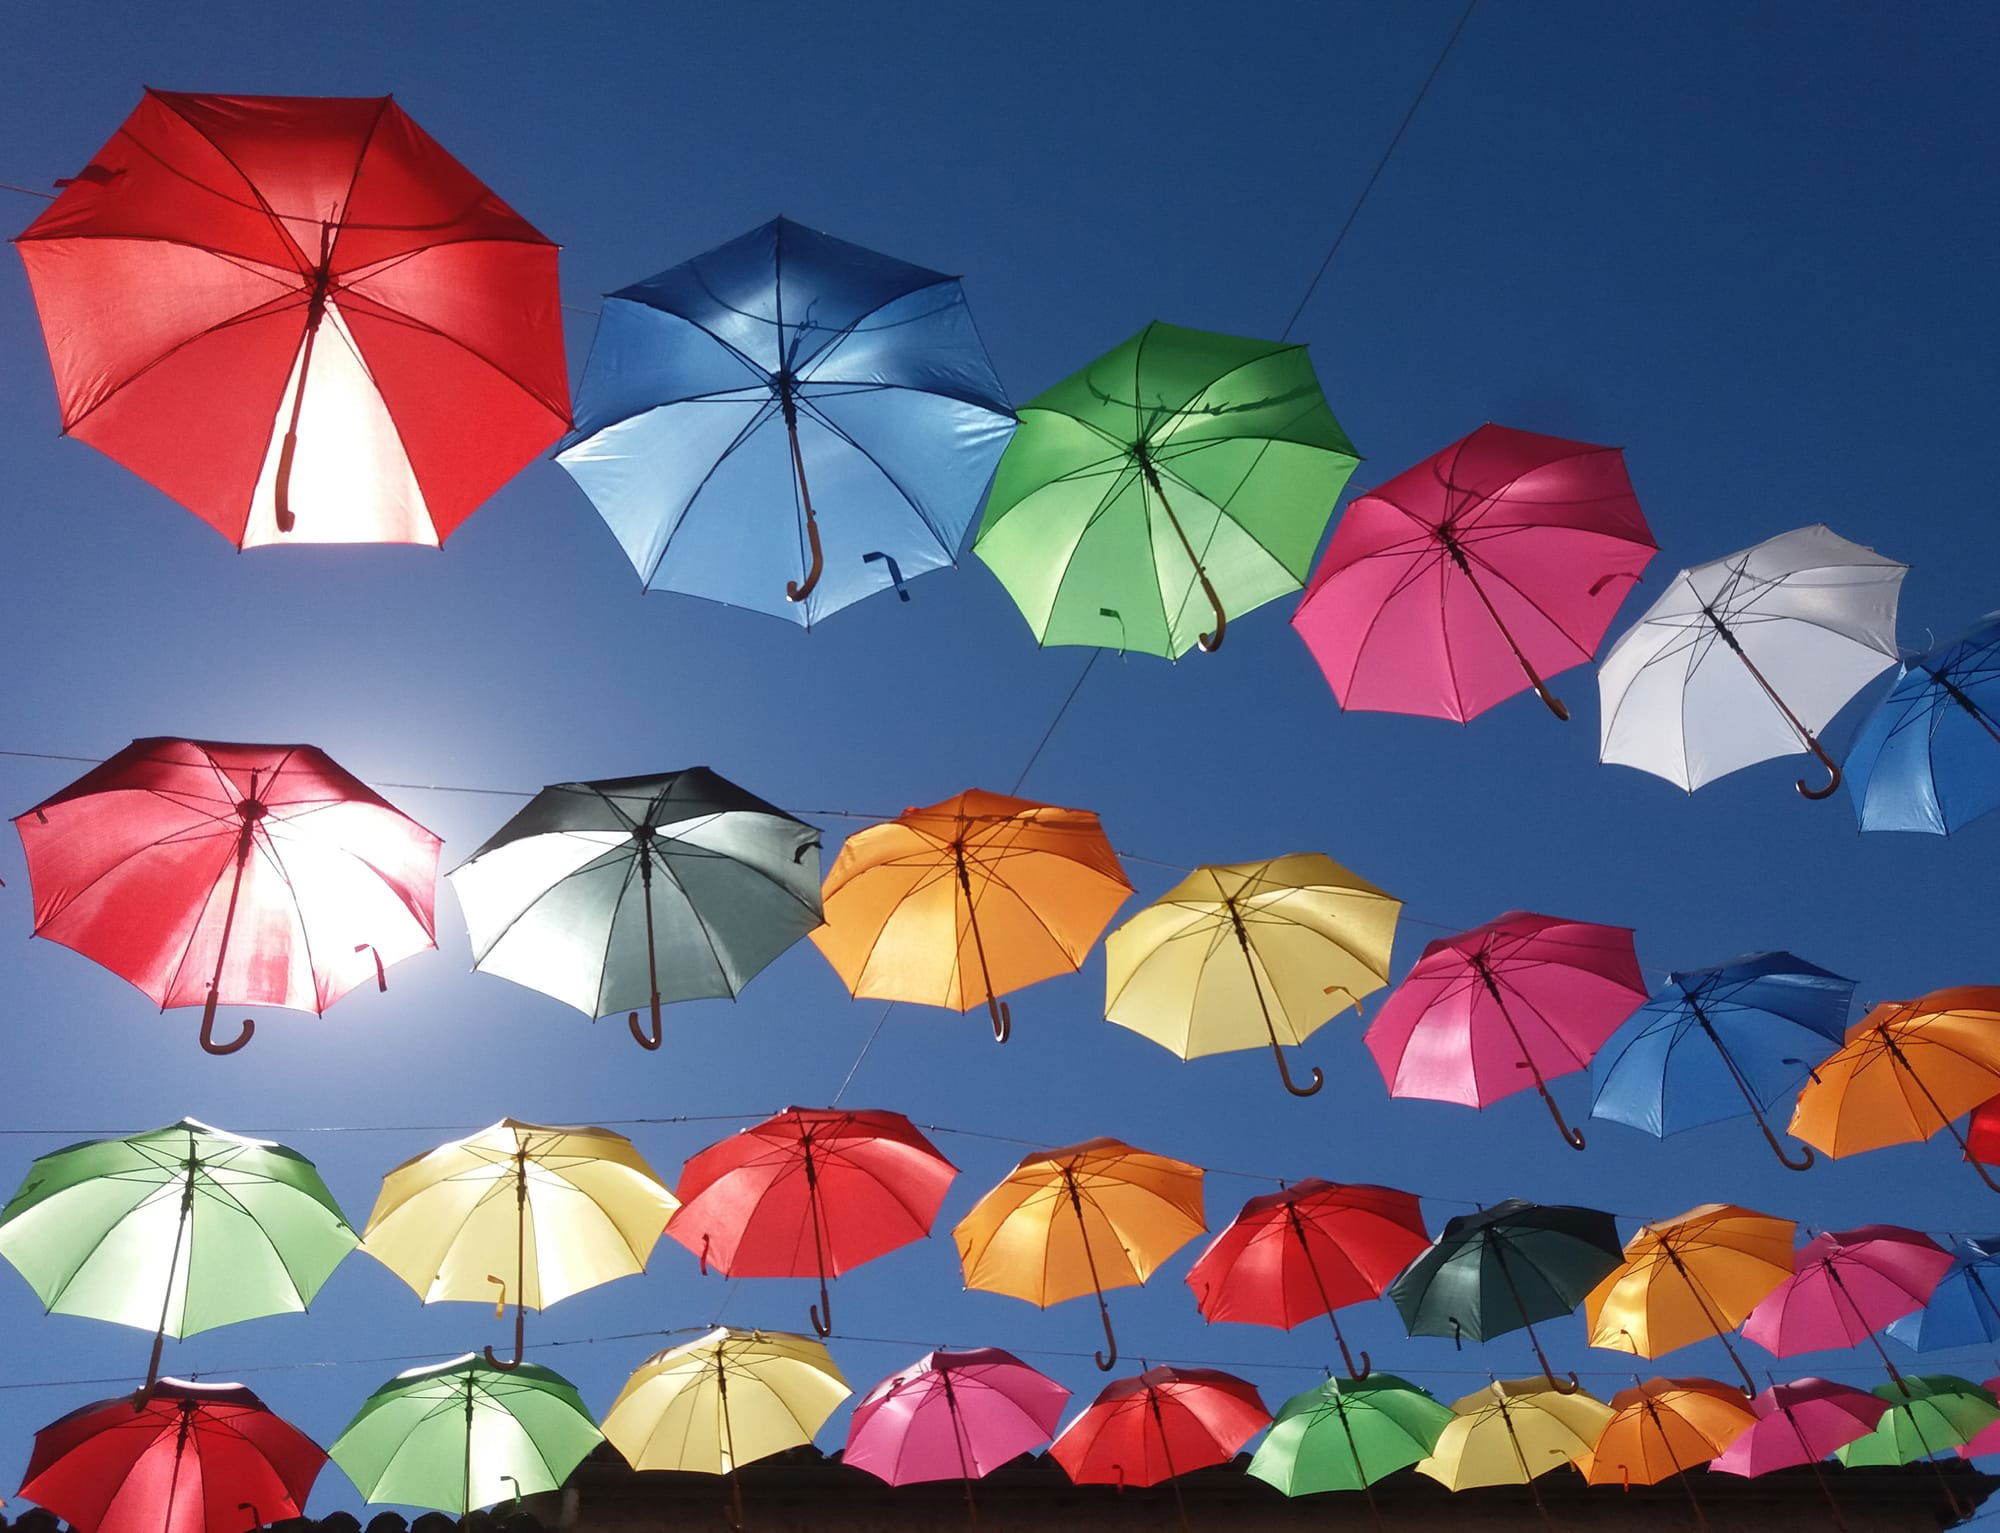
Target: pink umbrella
<point>1987,1441</point>
<point>1470,577</point>
<point>1516,1001</point>
<point>1845,1286</point>
<point>1801,1423</point>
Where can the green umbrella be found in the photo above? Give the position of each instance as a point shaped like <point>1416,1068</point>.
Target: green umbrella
<point>174,1231</point>
<point>464,1434</point>
<point>1178,480</point>
<point>1928,1413</point>
<point>1347,1434</point>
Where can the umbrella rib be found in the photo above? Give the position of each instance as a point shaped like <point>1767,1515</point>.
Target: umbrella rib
<point>258,204</point>
<point>390,314</point>
<point>765,412</point>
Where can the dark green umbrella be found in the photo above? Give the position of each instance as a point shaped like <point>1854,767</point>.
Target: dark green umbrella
<point>1347,1434</point>
<point>1506,1267</point>
<point>1179,480</point>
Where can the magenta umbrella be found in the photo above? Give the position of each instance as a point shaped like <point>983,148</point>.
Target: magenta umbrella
<point>1512,1003</point>
<point>1801,1423</point>
<point>1473,575</point>
<point>1988,1441</point>
<point>1845,1286</point>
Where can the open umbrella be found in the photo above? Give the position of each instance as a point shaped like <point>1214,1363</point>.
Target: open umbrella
<point>631,891</point>
<point>813,1190</point>
<point>299,317</point>
<point>1485,568</point>
<point>1801,1423</point>
<point>1982,1133</point>
<point>1964,1309</point>
<point>178,1457</point>
<point>1666,1427</point>
<point>1749,656</point>
<point>1348,1433</point>
<point>1513,1432</point>
<point>1987,1439</point>
<point>209,873</point>
<point>560,1208</point>
<point>1928,757</point>
<point>174,1231</point>
<point>1159,1425</point>
<point>1179,480</point>
<point>960,901</point>
<point>1845,1286</point>
<point>1928,1414</point>
<point>1488,1012</point>
<point>731,399</point>
<point>1745,1029</point>
<point>1079,1220</point>
<point>1299,935</point>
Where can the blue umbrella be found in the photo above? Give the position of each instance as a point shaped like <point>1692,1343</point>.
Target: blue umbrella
<point>1964,1308</point>
<point>1928,757</point>
<point>1752,1027</point>
<point>724,397</point>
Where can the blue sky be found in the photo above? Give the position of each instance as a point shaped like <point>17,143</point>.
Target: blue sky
<point>1750,245</point>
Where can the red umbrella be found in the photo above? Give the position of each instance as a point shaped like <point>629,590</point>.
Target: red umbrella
<point>812,1190</point>
<point>1473,575</point>
<point>210,873</point>
<point>1982,1133</point>
<point>299,316</point>
<point>1492,1010</point>
<point>1309,1250</point>
<point>1159,1424</point>
<point>1845,1286</point>
<point>175,1458</point>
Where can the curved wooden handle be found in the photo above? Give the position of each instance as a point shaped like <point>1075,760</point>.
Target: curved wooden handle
<point>795,591</point>
<point>208,1029</point>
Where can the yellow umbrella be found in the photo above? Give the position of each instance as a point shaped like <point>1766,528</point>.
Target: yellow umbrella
<point>1512,1432</point>
<point>1079,1220</point>
<point>1666,1427</point>
<point>1907,1069</point>
<point>1287,942</point>
<point>561,1208</point>
<point>1686,1279</point>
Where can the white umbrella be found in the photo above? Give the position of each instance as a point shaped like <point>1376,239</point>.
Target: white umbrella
<point>1747,657</point>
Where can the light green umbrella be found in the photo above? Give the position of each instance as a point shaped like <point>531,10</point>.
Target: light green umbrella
<point>1177,481</point>
<point>464,1434</point>
<point>174,1231</point>
<point>1347,1434</point>
<point>1928,1413</point>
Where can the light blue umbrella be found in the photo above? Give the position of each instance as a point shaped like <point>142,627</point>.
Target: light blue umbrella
<point>1928,757</point>
<point>788,423</point>
<point>1717,1042</point>
<point>1964,1308</point>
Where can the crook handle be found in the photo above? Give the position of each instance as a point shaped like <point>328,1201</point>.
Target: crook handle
<point>795,590</point>
<point>1003,1018</point>
<point>281,490</point>
<point>1778,1149</point>
<point>1106,1364</point>
<point>1832,768</point>
<point>520,1326</point>
<point>1571,1136</point>
<point>1285,1074</point>
<point>208,1029</point>
<point>822,1312</point>
<point>645,1040</point>
<point>1555,704</point>
<point>381,974</point>
<point>1347,1357</point>
<point>1211,642</point>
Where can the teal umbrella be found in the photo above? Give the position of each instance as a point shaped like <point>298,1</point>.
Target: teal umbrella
<point>1347,1434</point>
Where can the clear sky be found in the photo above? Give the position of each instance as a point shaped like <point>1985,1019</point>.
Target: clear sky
<point>1751,245</point>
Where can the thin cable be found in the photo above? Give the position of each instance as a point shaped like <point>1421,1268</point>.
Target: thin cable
<point>28,191</point>
<point>849,1080</point>
<point>1042,745</point>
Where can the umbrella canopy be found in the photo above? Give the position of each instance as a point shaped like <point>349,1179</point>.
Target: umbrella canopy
<point>1928,757</point>
<point>1159,1424</point>
<point>787,368</point>
<point>812,1190</point>
<point>963,900</point>
<point>1666,1427</point>
<point>464,1433</point>
<point>1077,1220</point>
<point>178,1457</point>
<point>560,1208</point>
<point>1504,1268</point>
<point>299,317</point>
<point>1964,1309</point>
<point>1907,1069</point>
<point>1741,1031</point>
<point>1521,990</point>
<point>1748,657</point>
<point>174,1231</point>
<point>209,873</point>
<point>726,1399</point>
<point>1688,1278</point>
<point>1512,1432</point>
<point>1800,1423</point>
<point>1348,1433</point>
<point>1178,481</point>
<point>1928,1413</point>
<point>1308,1250</point>
<point>632,891</point>
<point>1468,578</point>
<point>1300,936</point>
<point>1982,1133</point>
<point>1987,1439</point>
<point>952,1416</point>
<point>1845,1286</point>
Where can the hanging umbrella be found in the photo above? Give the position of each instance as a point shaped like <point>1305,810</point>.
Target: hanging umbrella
<point>1907,1069</point>
<point>1308,1250</point>
<point>1748,657</point>
<point>1079,1220</point>
<point>1179,480</point>
<point>465,1434</point>
<point>1746,1028</point>
<point>209,873</point>
<point>812,1190</point>
<point>1522,996</point>
<point>1159,1425</point>
<point>1982,1133</point>
<point>1666,1427</point>
<point>1300,935</point>
<point>1987,1440</point>
<point>952,1416</point>
<point>1801,1423</point>
<point>564,897</point>
<point>1964,1309</point>
<point>1347,1434</point>
<point>1504,1268</point>
<point>560,1208</point>
<point>1927,1415</point>
<point>1688,1278</point>
<point>960,901</point>
<point>1928,757</point>
<point>299,317</point>
<point>174,1231</point>
<point>1512,1433</point>
<point>787,368</point>
<point>1845,1286</point>
<point>1485,568</point>
<point>178,1457</point>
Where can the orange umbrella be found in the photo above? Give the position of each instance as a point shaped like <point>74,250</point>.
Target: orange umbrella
<point>1667,1427</point>
<point>1079,1220</point>
<point>1686,1279</point>
<point>967,899</point>
<point>1907,1069</point>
